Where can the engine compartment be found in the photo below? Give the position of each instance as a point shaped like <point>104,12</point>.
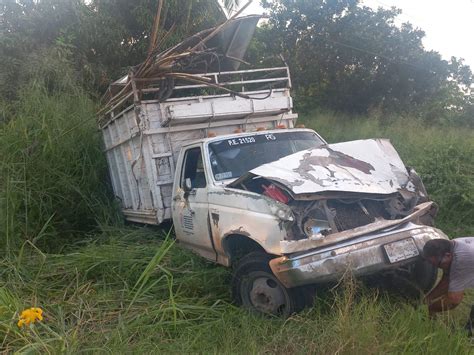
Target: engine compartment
<point>319,215</point>
<point>338,187</point>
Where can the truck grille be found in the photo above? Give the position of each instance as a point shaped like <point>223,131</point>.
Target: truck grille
<point>352,215</point>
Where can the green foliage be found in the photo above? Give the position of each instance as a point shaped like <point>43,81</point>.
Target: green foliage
<point>52,172</point>
<point>348,57</point>
<point>343,56</point>
<point>443,157</point>
<point>134,292</point>
<point>105,37</point>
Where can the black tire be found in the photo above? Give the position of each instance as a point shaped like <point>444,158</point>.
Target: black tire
<point>256,288</point>
<point>412,282</point>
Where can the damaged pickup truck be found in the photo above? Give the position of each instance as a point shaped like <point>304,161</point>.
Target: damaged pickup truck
<point>217,150</point>
<point>286,210</point>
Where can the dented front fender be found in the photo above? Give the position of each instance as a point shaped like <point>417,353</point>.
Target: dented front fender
<point>237,212</point>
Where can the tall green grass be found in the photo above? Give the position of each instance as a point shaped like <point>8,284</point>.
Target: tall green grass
<point>131,292</point>
<point>52,170</point>
<point>107,288</point>
<point>442,156</point>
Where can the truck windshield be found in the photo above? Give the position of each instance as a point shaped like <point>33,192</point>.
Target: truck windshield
<point>230,158</point>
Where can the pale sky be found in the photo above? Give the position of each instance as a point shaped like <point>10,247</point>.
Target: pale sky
<point>448,25</point>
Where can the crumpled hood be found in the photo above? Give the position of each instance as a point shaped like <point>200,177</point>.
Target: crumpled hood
<point>364,166</point>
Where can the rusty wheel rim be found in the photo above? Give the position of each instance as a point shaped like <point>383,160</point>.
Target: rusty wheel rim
<point>262,292</point>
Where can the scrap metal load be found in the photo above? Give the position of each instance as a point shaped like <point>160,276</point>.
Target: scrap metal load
<point>218,49</point>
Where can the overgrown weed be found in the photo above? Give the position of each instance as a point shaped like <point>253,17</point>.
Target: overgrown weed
<point>117,297</point>
<point>52,172</point>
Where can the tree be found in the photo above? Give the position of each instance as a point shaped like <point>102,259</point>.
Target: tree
<point>103,37</point>
<point>352,58</point>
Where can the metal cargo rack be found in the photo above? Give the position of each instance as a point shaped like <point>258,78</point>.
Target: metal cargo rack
<point>143,134</point>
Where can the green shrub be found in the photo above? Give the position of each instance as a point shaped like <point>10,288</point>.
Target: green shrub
<point>52,172</point>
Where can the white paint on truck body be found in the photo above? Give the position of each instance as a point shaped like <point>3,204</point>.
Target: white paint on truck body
<point>142,153</point>
<point>369,166</point>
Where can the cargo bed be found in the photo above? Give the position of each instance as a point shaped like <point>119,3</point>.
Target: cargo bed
<point>143,137</point>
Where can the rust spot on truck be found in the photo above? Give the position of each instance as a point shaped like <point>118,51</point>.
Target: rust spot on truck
<point>335,158</point>
<point>240,231</point>
<point>215,219</point>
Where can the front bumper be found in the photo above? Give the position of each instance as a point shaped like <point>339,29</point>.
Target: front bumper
<point>360,256</point>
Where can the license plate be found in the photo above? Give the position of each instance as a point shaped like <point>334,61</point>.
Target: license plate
<point>401,250</point>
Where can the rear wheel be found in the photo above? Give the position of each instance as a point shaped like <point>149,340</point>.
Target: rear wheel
<point>256,288</point>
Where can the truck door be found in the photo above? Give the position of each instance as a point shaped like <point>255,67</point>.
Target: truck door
<point>190,205</point>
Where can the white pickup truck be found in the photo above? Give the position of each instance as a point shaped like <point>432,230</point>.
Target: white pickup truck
<point>246,188</point>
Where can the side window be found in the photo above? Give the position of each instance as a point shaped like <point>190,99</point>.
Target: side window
<point>194,169</point>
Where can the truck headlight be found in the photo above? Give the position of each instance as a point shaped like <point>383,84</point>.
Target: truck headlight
<point>312,227</point>
<point>282,212</point>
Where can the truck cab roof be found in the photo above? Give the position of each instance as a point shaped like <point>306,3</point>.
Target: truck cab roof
<point>246,134</point>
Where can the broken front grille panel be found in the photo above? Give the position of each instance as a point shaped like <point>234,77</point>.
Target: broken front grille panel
<point>337,215</point>
<point>356,214</point>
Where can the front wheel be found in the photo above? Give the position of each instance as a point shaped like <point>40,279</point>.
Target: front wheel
<point>412,281</point>
<point>256,288</point>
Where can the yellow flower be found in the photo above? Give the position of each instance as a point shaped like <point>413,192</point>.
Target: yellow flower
<point>29,316</point>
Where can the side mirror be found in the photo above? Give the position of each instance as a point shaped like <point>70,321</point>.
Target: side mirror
<point>188,186</point>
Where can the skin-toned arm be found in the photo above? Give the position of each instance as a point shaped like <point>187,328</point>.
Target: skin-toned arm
<point>441,289</point>
<point>447,302</point>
